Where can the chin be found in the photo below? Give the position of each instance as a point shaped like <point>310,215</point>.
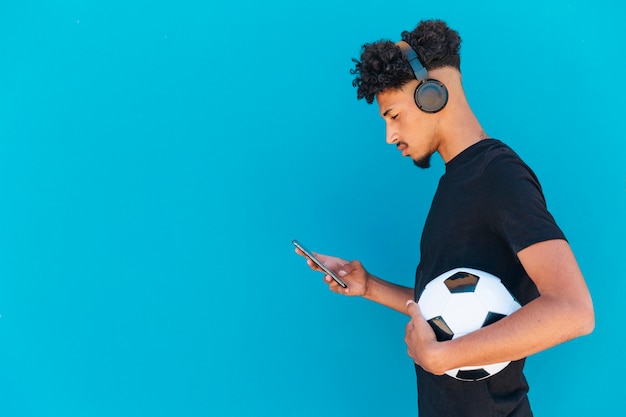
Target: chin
<point>423,162</point>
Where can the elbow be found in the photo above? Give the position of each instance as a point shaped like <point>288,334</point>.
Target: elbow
<point>589,321</point>
<point>585,318</point>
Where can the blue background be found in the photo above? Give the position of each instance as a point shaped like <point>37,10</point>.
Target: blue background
<point>157,158</point>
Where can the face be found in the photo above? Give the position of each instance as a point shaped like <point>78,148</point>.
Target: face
<point>407,127</point>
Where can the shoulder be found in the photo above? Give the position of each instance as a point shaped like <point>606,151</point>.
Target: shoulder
<point>487,155</point>
<point>500,156</point>
<point>505,170</point>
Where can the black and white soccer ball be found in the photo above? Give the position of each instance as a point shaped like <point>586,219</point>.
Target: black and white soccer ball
<point>461,301</point>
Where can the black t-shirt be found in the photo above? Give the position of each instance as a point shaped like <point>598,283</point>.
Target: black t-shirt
<point>488,206</point>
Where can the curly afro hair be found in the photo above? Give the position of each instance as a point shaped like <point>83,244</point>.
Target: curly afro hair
<point>382,65</point>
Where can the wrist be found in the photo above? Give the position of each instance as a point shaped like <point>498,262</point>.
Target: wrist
<point>368,286</point>
<point>444,357</point>
<point>441,358</point>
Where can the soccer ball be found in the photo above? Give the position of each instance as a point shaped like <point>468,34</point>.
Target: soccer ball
<point>460,301</point>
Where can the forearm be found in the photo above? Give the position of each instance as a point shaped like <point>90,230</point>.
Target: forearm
<point>551,321</point>
<point>388,294</point>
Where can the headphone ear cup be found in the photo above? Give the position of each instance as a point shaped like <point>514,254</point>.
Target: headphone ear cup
<point>431,96</point>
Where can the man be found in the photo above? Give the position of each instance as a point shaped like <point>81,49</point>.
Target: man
<point>488,213</point>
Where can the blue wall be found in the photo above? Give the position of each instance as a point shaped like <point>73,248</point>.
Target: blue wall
<point>157,158</point>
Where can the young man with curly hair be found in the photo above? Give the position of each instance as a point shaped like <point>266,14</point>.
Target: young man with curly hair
<point>488,213</point>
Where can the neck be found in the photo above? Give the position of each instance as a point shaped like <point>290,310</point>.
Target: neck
<point>458,127</point>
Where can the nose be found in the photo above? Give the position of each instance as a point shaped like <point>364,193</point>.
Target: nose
<point>391,136</point>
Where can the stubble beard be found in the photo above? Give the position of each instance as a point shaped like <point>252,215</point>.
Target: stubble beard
<point>423,162</point>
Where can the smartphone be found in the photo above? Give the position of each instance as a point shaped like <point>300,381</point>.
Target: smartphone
<point>320,264</point>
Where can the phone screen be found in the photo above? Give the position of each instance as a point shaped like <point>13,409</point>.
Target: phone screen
<point>319,263</point>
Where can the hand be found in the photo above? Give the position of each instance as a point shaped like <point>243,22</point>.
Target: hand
<point>352,273</point>
<point>421,342</point>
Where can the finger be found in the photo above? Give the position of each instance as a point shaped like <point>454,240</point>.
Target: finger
<point>334,286</point>
<point>299,252</point>
<point>348,268</point>
<point>413,309</point>
<point>312,265</point>
<point>409,327</point>
<point>308,260</point>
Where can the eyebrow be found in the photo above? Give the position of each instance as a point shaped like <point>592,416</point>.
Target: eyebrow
<point>386,112</point>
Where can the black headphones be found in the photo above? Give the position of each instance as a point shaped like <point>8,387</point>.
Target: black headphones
<point>430,95</point>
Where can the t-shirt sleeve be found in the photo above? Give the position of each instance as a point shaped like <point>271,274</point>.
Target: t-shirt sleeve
<point>517,209</point>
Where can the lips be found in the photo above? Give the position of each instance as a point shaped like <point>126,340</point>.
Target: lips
<point>403,148</point>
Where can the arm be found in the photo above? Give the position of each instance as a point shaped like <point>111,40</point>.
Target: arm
<point>562,312</point>
<point>388,294</point>
<point>362,283</point>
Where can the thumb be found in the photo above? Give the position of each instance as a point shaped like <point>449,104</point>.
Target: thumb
<point>349,268</point>
<point>413,309</point>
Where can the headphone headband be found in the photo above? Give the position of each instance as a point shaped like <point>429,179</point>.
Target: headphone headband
<point>409,53</point>
<point>430,95</point>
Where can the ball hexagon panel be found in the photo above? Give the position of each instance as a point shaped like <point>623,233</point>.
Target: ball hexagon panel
<point>495,295</point>
<point>433,300</point>
<point>464,313</point>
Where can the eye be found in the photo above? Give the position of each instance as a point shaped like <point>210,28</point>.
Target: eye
<point>394,117</point>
